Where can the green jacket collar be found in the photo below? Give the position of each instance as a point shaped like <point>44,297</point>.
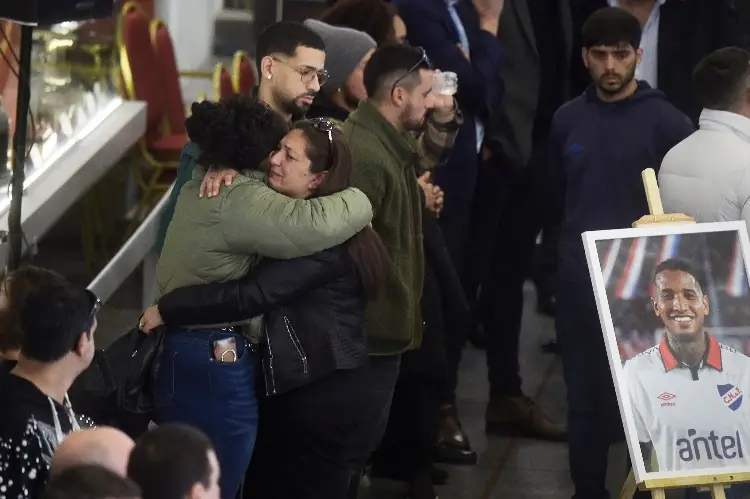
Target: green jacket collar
<point>402,145</point>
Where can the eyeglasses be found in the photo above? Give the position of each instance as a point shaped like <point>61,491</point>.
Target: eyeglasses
<point>307,74</point>
<point>423,61</point>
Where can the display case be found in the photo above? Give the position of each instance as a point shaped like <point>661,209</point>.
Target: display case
<point>71,92</point>
<point>78,126</point>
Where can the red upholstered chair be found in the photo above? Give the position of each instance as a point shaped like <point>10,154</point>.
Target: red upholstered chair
<point>160,146</point>
<point>222,82</point>
<point>243,73</point>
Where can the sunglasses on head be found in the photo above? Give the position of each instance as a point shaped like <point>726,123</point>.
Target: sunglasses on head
<point>96,305</point>
<point>423,62</point>
<point>326,126</point>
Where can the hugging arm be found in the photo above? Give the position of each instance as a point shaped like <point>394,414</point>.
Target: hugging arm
<point>256,219</point>
<point>273,283</point>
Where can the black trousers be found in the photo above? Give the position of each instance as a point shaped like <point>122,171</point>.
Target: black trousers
<point>308,438</point>
<point>384,374</point>
<point>413,423</point>
<point>511,208</point>
<point>510,265</point>
<point>471,264</point>
<point>593,416</point>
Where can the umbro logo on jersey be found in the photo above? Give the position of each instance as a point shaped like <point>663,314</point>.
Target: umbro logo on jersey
<point>667,398</point>
<point>731,396</point>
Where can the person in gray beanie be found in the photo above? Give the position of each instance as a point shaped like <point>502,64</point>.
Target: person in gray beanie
<point>347,53</point>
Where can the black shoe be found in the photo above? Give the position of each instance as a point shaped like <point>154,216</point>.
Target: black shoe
<point>449,454</point>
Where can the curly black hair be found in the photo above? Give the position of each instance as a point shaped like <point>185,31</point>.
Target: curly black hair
<point>237,132</point>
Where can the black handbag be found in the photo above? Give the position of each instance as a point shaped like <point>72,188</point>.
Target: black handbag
<point>135,363</point>
<point>118,387</point>
<point>93,393</point>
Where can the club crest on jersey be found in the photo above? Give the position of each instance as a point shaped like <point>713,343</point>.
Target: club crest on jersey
<point>731,396</point>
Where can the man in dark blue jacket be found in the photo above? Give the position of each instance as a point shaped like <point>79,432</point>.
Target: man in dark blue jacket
<point>600,142</point>
<point>460,36</point>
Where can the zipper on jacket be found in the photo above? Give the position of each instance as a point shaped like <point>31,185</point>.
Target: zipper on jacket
<point>270,389</point>
<point>297,343</point>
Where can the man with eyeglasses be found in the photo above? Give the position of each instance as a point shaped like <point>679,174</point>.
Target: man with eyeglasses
<point>58,322</point>
<point>291,59</point>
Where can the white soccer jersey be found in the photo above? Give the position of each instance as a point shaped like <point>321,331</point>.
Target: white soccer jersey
<point>694,418</point>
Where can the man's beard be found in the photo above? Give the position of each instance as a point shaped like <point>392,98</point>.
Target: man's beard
<point>295,109</point>
<point>624,82</point>
<point>410,124</point>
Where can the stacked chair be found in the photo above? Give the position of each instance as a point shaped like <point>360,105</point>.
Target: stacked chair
<point>149,72</point>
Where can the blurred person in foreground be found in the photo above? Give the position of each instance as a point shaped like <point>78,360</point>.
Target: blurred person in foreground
<point>221,238</point>
<point>58,323</point>
<point>107,447</point>
<point>89,481</point>
<point>722,192</point>
<point>15,287</point>
<point>314,353</point>
<point>291,71</point>
<point>175,461</point>
<point>600,142</point>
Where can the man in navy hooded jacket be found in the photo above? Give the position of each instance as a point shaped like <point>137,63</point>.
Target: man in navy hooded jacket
<point>600,142</point>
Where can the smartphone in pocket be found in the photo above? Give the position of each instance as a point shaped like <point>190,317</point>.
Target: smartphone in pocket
<point>225,351</point>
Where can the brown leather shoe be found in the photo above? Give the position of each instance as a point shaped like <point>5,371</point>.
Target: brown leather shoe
<point>520,416</point>
<point>453,444</point>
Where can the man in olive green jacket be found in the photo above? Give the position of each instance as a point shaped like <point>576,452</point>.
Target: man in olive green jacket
<point>384,154</point>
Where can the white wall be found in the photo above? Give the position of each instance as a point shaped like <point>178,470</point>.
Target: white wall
<point>191,23</point>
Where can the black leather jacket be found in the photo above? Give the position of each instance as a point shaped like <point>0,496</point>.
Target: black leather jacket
<point>313,308</point>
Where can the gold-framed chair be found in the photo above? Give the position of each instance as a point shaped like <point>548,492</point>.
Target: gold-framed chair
<point>243,73</point>
<point>222,82</point>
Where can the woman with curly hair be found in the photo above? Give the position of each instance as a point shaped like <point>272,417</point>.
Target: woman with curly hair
<point>315,357</point>
<point>207,373</point>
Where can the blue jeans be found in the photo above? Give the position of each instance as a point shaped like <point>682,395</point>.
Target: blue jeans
<point>217,398</point>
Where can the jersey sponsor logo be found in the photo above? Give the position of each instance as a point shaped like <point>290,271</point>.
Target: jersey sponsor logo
<point>710,447</point>
<point>666,399</point>
<point>731,396</point>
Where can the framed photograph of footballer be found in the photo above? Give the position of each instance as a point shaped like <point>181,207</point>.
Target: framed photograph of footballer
<point>674,305</point>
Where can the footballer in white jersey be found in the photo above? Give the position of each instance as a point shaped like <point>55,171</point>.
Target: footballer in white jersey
<point>686,393</point>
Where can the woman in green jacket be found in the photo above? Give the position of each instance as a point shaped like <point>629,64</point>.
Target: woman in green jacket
<point>207,374</point>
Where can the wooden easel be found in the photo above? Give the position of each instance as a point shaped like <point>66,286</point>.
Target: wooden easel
<point>657,487</point>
